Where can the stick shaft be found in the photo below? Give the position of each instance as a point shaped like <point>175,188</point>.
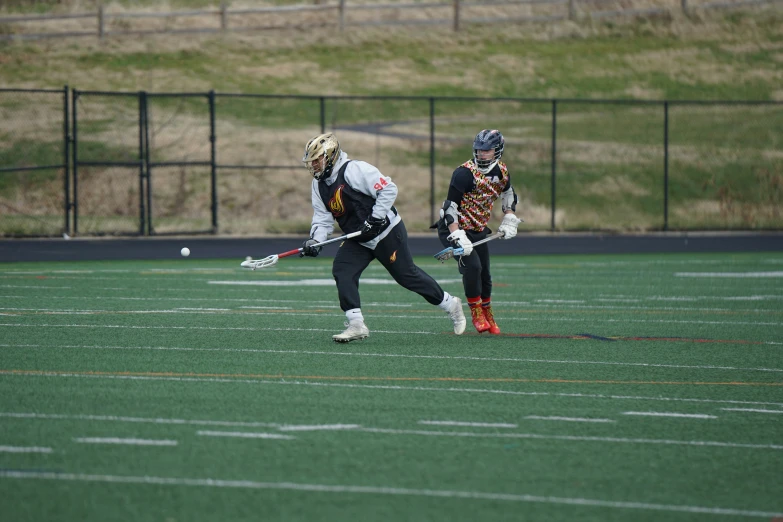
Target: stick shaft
<point>290,253</point>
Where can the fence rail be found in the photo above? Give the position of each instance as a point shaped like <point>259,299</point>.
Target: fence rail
<point>138,163</point>
<point>103,23</point>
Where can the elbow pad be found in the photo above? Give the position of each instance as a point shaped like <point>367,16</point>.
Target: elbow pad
<point>508,200</point>
<point>449,212</point>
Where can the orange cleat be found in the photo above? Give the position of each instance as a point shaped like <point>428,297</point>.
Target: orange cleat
<point>479,321</point>
<point>494,329</point>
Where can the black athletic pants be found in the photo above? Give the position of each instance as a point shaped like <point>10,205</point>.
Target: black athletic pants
<point>393,253</point>
<point>474,268</point>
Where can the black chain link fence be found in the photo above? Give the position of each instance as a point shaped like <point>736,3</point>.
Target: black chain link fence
<point>186,163</point>
<point>33,162</point>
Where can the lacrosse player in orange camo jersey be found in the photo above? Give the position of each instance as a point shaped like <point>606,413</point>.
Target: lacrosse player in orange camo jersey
<point>474,187</point>
<point>360,198</point>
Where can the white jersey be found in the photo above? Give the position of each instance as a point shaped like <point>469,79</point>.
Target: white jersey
<point>364,178</point>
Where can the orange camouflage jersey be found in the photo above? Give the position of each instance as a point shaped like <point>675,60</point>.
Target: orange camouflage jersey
<point>476,206</point>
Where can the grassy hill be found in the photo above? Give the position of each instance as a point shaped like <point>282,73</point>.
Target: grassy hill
<point>726,160</point>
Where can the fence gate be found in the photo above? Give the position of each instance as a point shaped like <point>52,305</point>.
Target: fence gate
<point>122,185</point>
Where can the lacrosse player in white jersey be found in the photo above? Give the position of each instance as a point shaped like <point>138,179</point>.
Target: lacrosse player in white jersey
<point>360,198</point>
<point>474,187</point>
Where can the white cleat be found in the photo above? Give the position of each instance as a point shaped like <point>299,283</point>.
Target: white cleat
<point>356,330</point>
<point>457,316</point>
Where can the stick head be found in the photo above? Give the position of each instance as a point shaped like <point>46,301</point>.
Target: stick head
<point>445,254</point>
<point>268,261</point>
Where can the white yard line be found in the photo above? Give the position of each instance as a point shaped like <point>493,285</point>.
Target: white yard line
<point>541,306</point>
<point>143,420</point>
<point>243,310</point>
<point>213,328</point>
<point>384,387</point>
<point>117,440</point>
<point>752,410</point>
<point>318,427</point>
<point>389,431</point>
<point>384,491</point>
<point>729,274</point>
<point>670,414</point>
<point>24,449</point>
<point>574,438</point>
<point>244,435</point>
<point>469,424</point>
<point>37,287</point>
<point>403,356</point>
<point>567,419</point>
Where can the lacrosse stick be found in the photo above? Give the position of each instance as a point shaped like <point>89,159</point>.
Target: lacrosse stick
<point>268,261</point>
<point>448,253</point>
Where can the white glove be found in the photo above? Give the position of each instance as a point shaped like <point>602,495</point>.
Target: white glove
<point>508,227</point>
<point>458,237</point>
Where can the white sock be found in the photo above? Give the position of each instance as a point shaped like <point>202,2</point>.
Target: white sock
<point>444,305</point>
<point>354,315</point>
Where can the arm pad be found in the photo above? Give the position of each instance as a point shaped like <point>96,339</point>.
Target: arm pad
<point>449,212</point>
<point>508,200</point>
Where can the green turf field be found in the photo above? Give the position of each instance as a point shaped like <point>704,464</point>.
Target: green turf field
<point>627,387</point>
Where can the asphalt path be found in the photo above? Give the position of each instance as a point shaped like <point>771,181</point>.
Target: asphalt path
<point>201,247</point>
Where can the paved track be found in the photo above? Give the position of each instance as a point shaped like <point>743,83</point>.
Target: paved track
<point>234,247</point>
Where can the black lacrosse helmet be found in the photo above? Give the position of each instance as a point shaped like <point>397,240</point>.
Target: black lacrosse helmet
<point>488,140</point>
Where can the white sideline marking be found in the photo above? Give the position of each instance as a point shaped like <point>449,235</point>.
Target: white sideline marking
<point>752,410</point>
<point>204,309</point>
<point>704,443</point>
<point>317,282</point>
<point>393,355</point>
<point>665,414</point>
<point>113,418</point>
<point>214,328</point>
<point>456,434</point>
<point>42,287</point>
<point>469,424</point>
<point>568,419</point>
<point>728,274</point>
<point>24,449</point>
<point>372,490</point>
<point>318,427</point>
<point>267,307</point>
<point>116,440</point>
<point>244,435</point>
<point>505,303</point>
<point>388,387</point>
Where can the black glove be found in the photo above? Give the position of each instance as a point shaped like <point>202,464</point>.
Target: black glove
<point>372,228</point>
<point>309,250</point>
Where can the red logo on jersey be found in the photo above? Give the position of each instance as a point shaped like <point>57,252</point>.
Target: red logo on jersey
<point>335,204</point>
<point>381,183</point>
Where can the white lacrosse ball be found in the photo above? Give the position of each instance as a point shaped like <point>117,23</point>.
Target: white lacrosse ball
<point>185,252</point>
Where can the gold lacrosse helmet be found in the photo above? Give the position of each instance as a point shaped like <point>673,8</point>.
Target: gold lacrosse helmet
<point>321,154</point>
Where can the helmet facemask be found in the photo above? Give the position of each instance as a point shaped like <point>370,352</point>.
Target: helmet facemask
<point>488,140</point>
<point>321,154</point>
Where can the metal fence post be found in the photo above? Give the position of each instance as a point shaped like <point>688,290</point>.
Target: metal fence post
<point>146,117</point>
<point>223,16</point>
<point>74,151</point>
<point>67,157</point>
<point>572,9</point>
<point>684,4</point>
<point>665,165</point>
<point>341,12</point>
<point>432,160</point>
<point>101,28</point>
<point>554,159</point>
<point>213,161</point>
<point>322,104</point>
<point>456,15</point>
<point>142,220</point>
